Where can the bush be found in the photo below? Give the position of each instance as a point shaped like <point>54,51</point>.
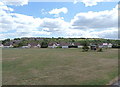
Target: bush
<point>85,48</point>
<point>100,50</point>
<point>20,44</point>
<point>15,46</point>
<point>44,45</point>
<point>58,47</point>
<point>116,46</point>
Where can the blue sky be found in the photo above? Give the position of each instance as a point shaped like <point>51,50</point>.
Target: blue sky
<point>34,8</point>
<point>58,19</point>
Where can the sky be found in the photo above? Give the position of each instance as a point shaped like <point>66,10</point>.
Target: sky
<point>95,19</point>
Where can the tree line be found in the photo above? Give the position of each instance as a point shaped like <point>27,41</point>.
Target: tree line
<point>17,42</point>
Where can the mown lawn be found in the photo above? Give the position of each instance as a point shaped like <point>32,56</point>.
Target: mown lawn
<point>58,67</point>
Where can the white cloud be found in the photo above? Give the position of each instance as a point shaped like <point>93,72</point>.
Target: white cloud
<point>108,33</point>
<point>19,25</point>
<point>44,12</point>
<point>57,11</point>
<point>111,33</point>
<point>56,24</point>
<point>15,2</point>
<point>96,20</point>
<point>93,2</point>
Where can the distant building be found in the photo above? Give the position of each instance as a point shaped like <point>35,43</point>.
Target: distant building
<point>34,45</point>
<point>8,46</point>
<point>93,47</point>
<point>64,45</point>
<point>25,46</point>
<point>38,45</point>
<point>110,45</point>
<point>107,45</point>
<point>1,45</point>
<point>78,45</point>
<point>53,45</point>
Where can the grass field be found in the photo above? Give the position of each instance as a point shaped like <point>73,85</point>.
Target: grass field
<point>58,67</point>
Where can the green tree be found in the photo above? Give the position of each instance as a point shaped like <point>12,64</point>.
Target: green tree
<point>17,39</point>
<point>5,41</point>
<point>44,44</point>
<point>85,46</point>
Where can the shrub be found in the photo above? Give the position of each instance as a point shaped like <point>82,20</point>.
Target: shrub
<point>58,47</point>
<point>100,50</point>
<point>44,45</point>
<point>85,48</point>
<point>15,46</point>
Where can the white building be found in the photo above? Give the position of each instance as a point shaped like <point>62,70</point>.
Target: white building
<point>109,45</point>
<point>25,47</point>
<point>8,46</point>
<point>52,45</point>
<point>64,46</point>
<point>105,45</point>
<point>38,45</point>
<point>1,45</point>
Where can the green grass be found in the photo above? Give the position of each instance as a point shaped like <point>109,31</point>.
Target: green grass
<point>58,67</point>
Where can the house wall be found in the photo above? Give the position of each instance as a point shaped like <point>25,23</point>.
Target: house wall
<point>80,46</point>
<point>38,45</point>
<point>89,46</point>
<point>1,46</point>
<point>64,46</point>
<point>35,46</point>
<point>105,46</point>
<point>100,46</point>
<point>6,47</point>
<point>110,46</point>
<point>52,46</point>
<point>25,46</point>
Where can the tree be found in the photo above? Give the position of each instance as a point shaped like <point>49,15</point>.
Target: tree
<point>20,44</point>
<point>84,43</point>
<point>5,41</point>
<point>15,45</point>
<point>17,39</point>
<point>44,44</point>
<point>100,50</point>
<point>85,46</point>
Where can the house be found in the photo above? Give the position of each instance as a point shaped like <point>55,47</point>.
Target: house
<point>38,45</point>
<point>74,45</point>
<point>1,45</point>
<point>64,45</point>
<point>7,45</point>
<point>110,45</point>
<point>105,45</point>
<point>34,45</point>
<point>100,45</point>
<point>25,47</point>
<point>78,45</point>
<point>93,47</point>
<point>53,45</point>
<point>29,45</point>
